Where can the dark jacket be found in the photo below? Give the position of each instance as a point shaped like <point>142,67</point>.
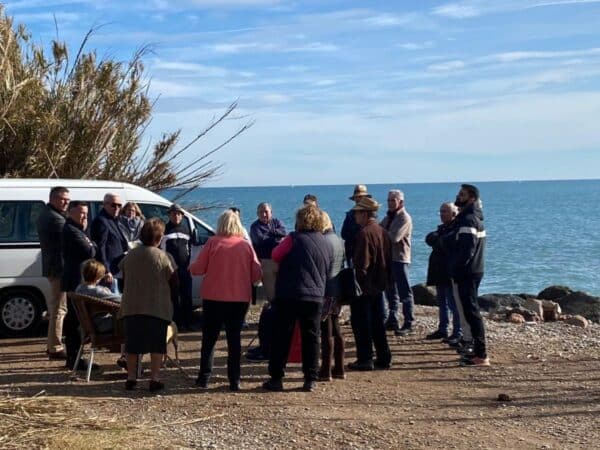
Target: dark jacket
<point>177,242</point>
<point>111,239</point>
<point>373,259</point>
<point>465,243</point>
<point>266,236</point>
<point>303,271</point>
<point>437,270</point>
<point>350,230</point>
<point>49,227</point>
<point>76,248</point>
<point>332,288</point>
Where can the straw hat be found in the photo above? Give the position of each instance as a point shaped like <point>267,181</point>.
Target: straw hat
<point>366,204</point>
<point>360,190</point>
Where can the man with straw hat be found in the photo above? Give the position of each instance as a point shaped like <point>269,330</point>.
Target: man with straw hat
<point>350,228</point>
<point>372,260</point>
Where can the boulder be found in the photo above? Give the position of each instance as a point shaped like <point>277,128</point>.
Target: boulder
<point>581,303</point>
<point>516,318</point>
<point>552,310</point>
<point>527,296</point>
<point>554,292</point>
<point>535,306</point>
<point>578,321</point>
<point>492,302</point>
<point>424,295</point>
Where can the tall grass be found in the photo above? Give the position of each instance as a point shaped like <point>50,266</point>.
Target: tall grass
<point>81,116</point>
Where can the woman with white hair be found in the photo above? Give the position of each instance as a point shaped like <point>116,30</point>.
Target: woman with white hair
<point>230,267</point>
<point>437,275</point>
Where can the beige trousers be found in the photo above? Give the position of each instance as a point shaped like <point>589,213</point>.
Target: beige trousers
<point>269,270</point>
<point>57,310</point>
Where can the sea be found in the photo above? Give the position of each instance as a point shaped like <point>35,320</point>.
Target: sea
<point>540,233</point>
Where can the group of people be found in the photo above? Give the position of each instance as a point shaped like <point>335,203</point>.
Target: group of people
<point>71,250</point>
<point>302,273</point>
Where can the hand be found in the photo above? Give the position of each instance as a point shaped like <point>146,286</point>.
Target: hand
<point>109,278</point>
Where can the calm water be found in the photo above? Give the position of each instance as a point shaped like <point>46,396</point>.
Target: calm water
<point>539,232</point>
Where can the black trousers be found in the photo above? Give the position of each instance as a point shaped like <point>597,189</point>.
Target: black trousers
<point>467,291</point>
<point>183,313</point>
<point>286,313</point>
<point>215,314</point>
<point>72,334</point>
<point>367,320</point>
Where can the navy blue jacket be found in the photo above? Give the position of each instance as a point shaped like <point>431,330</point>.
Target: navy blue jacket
<point>111,239</point>
<point>304,270</point>
<point>266,236</point>
<point>465,243</point>
<point>437,269</point>
<point>350,230</point>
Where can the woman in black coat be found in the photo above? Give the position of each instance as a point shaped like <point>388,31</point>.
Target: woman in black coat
<point>76,248</point>
<point>437,275</point>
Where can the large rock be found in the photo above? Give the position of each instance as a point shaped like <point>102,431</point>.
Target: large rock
<point>516,318</point>
<point>425,295</point>
<point>492,302</point>
<point>552,310</point>
<point>535,306</point>
<point>581,303</point>
<point>577,320</point>
<point>554,292</point>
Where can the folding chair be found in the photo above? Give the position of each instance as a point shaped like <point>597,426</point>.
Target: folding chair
<point>86,308</point>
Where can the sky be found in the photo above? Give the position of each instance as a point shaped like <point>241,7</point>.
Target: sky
<point>345,92</point>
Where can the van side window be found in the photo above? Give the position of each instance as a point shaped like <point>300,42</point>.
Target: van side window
<point>8,214</point>
<point>201,233</point>
<point>18,221</point>
<point>149,210</point>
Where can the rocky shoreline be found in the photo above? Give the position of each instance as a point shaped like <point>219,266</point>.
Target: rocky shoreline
<point>552,304</point>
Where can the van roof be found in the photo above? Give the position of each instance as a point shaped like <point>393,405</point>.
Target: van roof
<point>51,182</point>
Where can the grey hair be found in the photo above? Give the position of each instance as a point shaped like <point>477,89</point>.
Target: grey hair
<point>263,205</point>
<point>397,193</point>
<point>452,207</point>
<point>109,196</point>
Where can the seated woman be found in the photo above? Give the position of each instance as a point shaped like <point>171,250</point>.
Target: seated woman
<point>92,272</point>
<point>230,267</point>
<point>150,277</point>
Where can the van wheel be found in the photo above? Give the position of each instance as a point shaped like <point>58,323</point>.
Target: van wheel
<point>20,312</point>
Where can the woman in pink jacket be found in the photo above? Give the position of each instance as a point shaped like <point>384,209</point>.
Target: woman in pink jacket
<point>230,267</point>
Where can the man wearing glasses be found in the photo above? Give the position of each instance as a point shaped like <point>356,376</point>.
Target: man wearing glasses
<point>110,238</point>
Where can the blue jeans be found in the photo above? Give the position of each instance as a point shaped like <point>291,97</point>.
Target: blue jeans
<point>400,292</point>
<point>445,298</point>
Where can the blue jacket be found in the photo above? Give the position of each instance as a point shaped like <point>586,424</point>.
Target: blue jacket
<point>303,271</point>
<point>266,236</point>
<point>111,239</point>
<point>350,230</point>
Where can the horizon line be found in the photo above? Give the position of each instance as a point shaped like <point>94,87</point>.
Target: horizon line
<point>403,183</point>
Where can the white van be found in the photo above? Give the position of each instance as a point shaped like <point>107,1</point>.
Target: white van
<point>22,287</point>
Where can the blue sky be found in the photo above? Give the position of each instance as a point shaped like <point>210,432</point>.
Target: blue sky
<point>370,92</point>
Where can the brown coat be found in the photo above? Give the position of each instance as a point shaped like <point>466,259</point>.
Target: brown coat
<point>373,259</point>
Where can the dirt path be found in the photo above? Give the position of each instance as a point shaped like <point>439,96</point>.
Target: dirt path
<point>550,371</point>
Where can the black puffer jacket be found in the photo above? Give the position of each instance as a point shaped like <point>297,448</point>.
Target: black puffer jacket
<point>437,271</point>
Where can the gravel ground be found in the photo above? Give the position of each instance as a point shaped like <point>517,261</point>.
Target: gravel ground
<point>549,371</point>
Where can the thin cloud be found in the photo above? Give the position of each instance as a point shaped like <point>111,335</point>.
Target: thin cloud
<point>457,11</point>
<point>411,46</point>
<point>447,66</point>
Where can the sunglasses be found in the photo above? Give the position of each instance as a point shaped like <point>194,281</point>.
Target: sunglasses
<point>116,205</point>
